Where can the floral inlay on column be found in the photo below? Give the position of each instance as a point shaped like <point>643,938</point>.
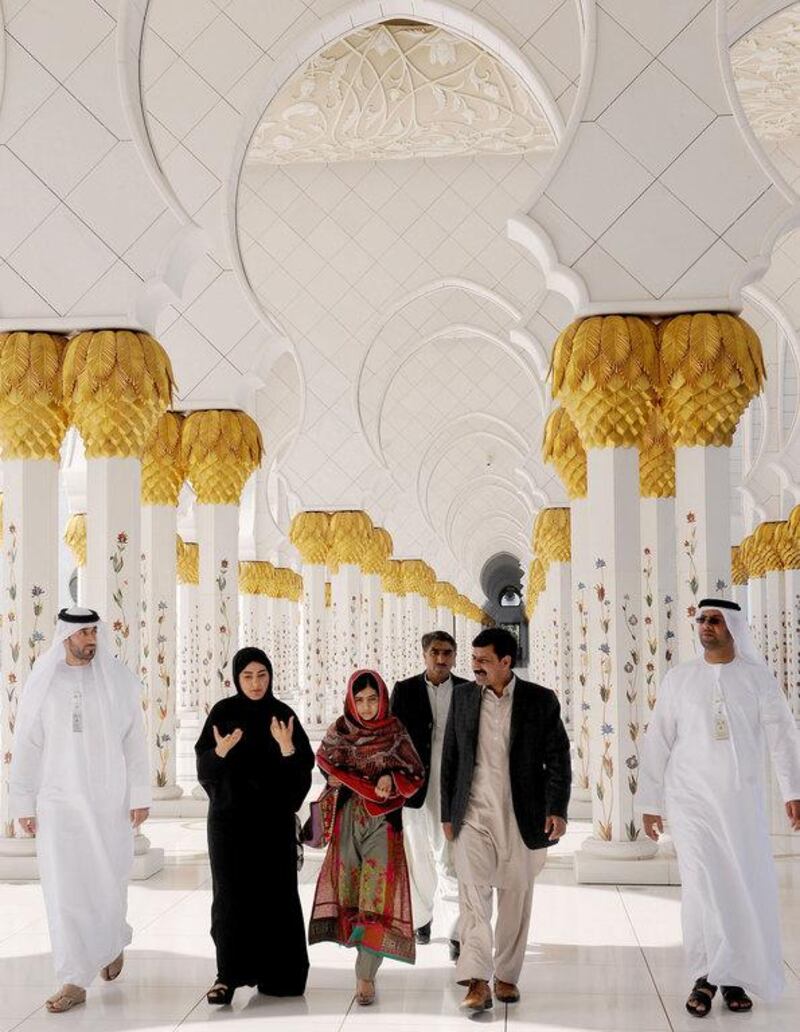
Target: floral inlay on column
<point>120,627</point>
<point>605,781</point>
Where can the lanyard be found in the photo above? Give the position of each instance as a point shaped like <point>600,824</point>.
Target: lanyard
<point>77,711</point>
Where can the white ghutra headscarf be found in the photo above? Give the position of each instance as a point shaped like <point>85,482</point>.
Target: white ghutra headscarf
<point>737,624</point>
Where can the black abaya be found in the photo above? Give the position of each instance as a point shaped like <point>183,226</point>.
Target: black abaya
<point>254,792</point>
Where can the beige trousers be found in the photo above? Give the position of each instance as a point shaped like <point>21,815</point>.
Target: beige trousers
<point>511,930</point>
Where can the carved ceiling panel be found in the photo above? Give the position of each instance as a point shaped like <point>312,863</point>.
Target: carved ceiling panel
<point>766,66</point>
<point>399,90</point>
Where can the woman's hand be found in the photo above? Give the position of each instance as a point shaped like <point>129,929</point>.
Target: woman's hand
<point>385,786</point>
<point>226,742</point>
<point>333,782</point>
<point>282,733</point>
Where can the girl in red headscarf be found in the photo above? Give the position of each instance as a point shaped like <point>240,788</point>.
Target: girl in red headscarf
<point>363,897</point>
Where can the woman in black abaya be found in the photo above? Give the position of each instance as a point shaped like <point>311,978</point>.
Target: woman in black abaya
<point>254,761</point>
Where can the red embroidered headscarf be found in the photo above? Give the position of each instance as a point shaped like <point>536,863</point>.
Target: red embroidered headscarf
<point>358,752</point>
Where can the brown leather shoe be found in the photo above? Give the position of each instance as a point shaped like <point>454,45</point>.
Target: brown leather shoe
<point>506,992</point>
<point>479,996</point>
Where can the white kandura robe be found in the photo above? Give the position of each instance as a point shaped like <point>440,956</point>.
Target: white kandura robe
<point>712,793</point>
<point>81,786</point>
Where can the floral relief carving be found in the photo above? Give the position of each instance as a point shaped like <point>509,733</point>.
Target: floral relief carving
<point>399,91</point>
<point>767,75</point>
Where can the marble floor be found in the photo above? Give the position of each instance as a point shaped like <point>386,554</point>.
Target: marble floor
<point>604,958</point>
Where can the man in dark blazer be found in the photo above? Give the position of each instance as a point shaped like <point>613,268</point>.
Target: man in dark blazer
<point>505,789</point>
<point>422,703</point>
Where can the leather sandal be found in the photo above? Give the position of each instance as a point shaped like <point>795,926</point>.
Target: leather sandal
<point>112,970</point>
<point>220,994</point>
<point>699,1002</point>
<point>736,999</point>
<point>365,997</point>
<point>67,997</point>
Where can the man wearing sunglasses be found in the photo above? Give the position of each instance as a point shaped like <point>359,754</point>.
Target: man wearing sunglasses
<point>702,770</point>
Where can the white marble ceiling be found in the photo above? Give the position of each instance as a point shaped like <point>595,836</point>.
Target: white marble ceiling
<point>382,301</point>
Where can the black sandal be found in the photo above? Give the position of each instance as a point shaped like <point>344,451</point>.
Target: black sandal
<point>699,1002</point>
<point>736,999</point>
<point>220,994</point>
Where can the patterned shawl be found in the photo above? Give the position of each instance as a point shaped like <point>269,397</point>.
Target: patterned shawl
<point>358,752</point>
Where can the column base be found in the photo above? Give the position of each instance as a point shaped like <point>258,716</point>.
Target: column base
<point>18,860</point>
<point>167,792</point>
<point>185,806</point>
<point>147,861</point>
<point>580,804</point>
<point>622,863</point>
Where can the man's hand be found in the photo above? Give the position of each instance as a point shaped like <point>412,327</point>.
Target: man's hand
<point>653,826</point>
<point>28,825</point>
<point>385,786</point>
<point>792,812</point>
<point>447,828</point>
<point>555,827</point>
<point>139,816</point>
<point>226,742</point>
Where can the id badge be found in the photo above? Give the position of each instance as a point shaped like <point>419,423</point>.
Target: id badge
<point>77,712</point>
<point>721,731</point>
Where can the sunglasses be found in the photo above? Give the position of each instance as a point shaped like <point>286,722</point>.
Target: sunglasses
<point>712,621</point>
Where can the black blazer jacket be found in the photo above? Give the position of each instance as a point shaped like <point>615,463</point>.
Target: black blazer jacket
<point>539,759</point>
<point>410,703</point>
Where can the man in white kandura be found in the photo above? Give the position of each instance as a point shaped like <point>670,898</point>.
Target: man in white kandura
<point>80,782</point>
<point>702,769</point>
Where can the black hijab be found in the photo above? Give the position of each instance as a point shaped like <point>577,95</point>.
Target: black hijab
<point>243,658</point>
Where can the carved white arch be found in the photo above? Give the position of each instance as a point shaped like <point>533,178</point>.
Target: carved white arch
<point>457,430</point>
<point>453,331</point>
<point>520,343</point>
<point>357,15</point>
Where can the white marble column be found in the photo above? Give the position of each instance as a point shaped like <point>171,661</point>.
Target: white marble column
<point>418,581</point>
<point>346,628</point>
<point>253,628</point>
<point>776,626</point>
<point>162,479</point>
<point>581,590</point>
<point>463,642</point>
<point>33,422</point>
<point>658,640</point>
<point>188,613</point>
<point>702,524</point>
<point>117,384</point>
<point>218,540</point>
<point>310,534</point>
<point>30,605</point>
<point>113,560</point>
<point>314,645</point>
<point>159,634</point>
<point>615,676</point>
<point>373,566</point>
<point>75,540</point>
<point>391,628</point>
<point>221,449</point>
<point>789,548</point>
